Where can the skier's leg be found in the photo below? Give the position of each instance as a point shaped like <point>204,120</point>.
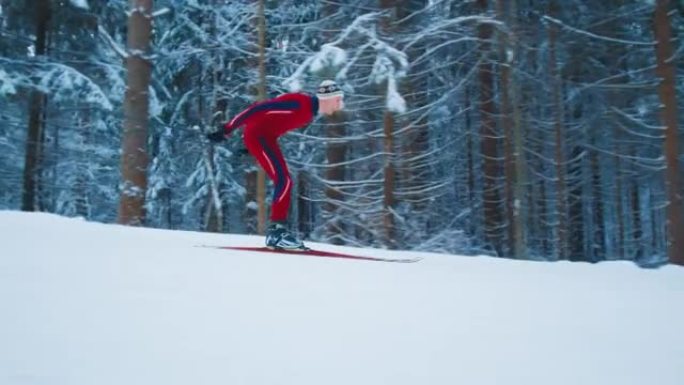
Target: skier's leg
<point>283,183</point>
<point>264,147</point>
<point>266,151</point>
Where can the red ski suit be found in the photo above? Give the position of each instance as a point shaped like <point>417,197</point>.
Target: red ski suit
<point>264,123</point>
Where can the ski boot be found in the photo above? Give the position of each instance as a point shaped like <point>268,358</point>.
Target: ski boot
<point>279,238</point>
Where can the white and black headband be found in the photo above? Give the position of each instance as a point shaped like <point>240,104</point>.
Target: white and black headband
<point>328,89</point>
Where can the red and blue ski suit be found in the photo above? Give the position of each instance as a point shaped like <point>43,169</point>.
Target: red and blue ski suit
<point>264,123</point>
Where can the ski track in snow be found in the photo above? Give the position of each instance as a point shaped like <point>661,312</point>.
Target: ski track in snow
<point>86,303</point>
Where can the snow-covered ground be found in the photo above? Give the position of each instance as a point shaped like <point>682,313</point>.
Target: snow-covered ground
<point>84,303</point>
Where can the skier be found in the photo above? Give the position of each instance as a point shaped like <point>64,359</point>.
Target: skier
<point>264,122</point>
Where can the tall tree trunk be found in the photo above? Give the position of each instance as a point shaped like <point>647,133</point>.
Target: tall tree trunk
<point>255,178</point>
<point>559,130</point>
<point>304,206</point>
<point>598,243</point>
<point>470,160</point>
<point>637,237</point>
<point>667,91</point>
<point>415,143</point>
<point>507,124</point>
<point>388,146</point>
<point>489,140</point>
<point>519,159</point>
<point>215,206</point>
<point>543,233</point>
<point>388,186</point>
<point>85,122</point>
<point>619,194</point>
<point>37,101</point>
<point>134,159</point>
<point>638,219</point>
<point>261,95</point>
<point>513,150</point>
<point>336,153</point>
<point>576,220</point>
<point>620,214</point>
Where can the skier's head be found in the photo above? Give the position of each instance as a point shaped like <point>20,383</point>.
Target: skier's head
<point>330,97</point>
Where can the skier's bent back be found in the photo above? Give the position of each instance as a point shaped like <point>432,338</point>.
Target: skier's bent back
<point>264,123</point>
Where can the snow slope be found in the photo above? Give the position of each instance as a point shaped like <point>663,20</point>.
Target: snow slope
<point>85,303</point>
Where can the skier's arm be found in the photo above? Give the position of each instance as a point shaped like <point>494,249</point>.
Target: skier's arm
<point>228,128</point>
<point>280,104</point>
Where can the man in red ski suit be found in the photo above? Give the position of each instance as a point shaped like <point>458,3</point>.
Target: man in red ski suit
<point>264,123</point>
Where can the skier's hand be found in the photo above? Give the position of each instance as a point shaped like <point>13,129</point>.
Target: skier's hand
<point>241,151</point>
<point>216,137</point>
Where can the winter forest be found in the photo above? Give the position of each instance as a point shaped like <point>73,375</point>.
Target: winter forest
<point>528,129</point>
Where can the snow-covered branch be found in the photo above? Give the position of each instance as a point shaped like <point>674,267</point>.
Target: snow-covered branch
<point>161,12</point>
<point>445,24</point>
<point>595,36</point>
<point>66,81</point>
<point>390,64</point>
<point>120,51</point>
<point>83,4</point>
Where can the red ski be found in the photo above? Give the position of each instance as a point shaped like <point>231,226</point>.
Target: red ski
<point>318,253</point>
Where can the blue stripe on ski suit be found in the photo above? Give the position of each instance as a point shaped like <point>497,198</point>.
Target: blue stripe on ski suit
<point>281,174</point>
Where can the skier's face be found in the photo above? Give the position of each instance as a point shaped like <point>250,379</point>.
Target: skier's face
<point>329,106</point>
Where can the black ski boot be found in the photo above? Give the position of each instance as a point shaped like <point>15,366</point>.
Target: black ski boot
<point>279,238</point>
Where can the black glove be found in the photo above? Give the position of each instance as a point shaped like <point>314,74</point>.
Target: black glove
<point>241,151</point>
<point>216,137</point>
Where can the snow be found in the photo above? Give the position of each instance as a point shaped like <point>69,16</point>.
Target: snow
<point>328,56</point>
<point>112,43</point>
<point>6,84</point>
<point>395,102</point>
<point>389,66</point>
<point>87,303</point>
<point>71,83</point>
<point>293,85</point>
<point>282,44</point>
<point>80,4</point>
<point>162,12</point>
